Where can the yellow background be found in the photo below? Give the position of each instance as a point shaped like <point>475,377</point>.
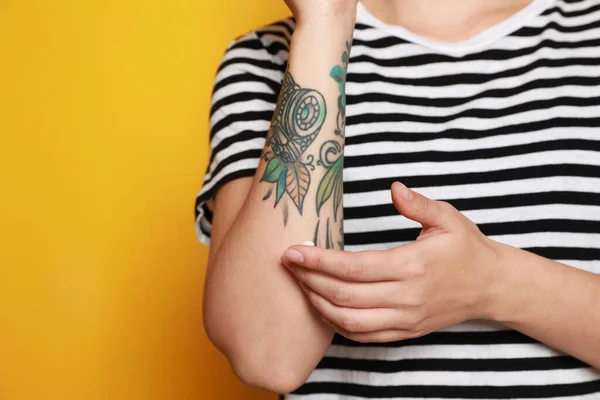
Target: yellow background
<point>103,124</point>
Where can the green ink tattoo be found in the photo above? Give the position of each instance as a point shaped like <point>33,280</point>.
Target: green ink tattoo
<point>339,73</point>
<point>331,157</point>
<point>332,183</point>
<point>298,119</point>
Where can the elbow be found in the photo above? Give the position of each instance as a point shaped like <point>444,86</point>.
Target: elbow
<point>262,364</point>
<point>280,378</point>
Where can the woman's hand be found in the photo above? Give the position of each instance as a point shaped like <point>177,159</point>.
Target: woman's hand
<point>307,10</point>
<point>446,277</point>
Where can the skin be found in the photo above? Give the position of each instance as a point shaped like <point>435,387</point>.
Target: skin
<point>272,315</point>
<point>254,311</point>
<point>452,273</point>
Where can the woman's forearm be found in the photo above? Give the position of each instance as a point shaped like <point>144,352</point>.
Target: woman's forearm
<point>551,302</point>
<point>254,310</point>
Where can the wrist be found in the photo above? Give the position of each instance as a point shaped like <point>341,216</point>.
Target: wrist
<point>325,19</point>
<point>502,283</point>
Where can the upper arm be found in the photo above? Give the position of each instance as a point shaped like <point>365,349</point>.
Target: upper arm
<point>243,100</point>
<point>228,202</point>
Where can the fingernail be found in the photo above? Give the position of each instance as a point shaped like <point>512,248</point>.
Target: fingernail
<point>294,256</point>
<point>406,193</point>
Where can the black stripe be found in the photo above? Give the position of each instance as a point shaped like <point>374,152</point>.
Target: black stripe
<point>288,24</point>
<point>479,113</point>
<point>285,36</point>
<point>574,13</point>
<point>274,86</point>
<point>441,102</point>
<point>237,138</point>
<point>209,194</point>
<point>566,253</point>
<point>275,47</point>
<point>448,392</point>
<point>243,97</point>
<point>454,133</point>
<point>488,229</point>
<point>513,174</point>
<point>485,203</point>
<point>362,27</point>
<point>252,154</point>
<point>528,31</point>
<point>448,338</point>
<point>250,44</point>
<point>250,116</point>
<point>467,155</point>
<point>488,55</point>
<point>443,364</point>
<point>472,78</point>
<point>245,61</point>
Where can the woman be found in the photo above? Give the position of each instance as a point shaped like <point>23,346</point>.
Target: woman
<point>479,283</point>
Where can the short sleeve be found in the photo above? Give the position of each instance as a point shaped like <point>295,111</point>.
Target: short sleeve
<point>243,101</point>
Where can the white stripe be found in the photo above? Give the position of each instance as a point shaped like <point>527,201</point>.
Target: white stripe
<point>512,378</point>
<point>324,396</point>
<point>508,214</point>
<point>486,103</point>
<point>240,108</point>
<point>459,145</point>
<point>235,148</point>
<point>476,66</point>
<point>546,158</point>
<point>460,91</point>
<point>533,185</point>
<point>233,167</point>
<point>512,351</point>
<point>234,89</point>
<point>237,127</point>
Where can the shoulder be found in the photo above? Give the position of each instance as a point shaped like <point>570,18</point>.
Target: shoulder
<point>266,47</point>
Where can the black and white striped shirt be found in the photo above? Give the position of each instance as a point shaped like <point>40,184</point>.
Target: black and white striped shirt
<point>505,126</point>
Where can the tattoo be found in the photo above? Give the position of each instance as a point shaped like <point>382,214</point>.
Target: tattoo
<point>316,238</point>
<point>331,157</point>
<point>269,193</point>
<point>339,73</point>
<point>298,119</point>
<point>329,242</point>
<point>332,182</point>
<point>286,214</point>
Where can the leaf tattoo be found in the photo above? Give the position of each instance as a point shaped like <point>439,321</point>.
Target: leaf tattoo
<point>338,73</point>
<point>297,121</point>
<point>332,183</point>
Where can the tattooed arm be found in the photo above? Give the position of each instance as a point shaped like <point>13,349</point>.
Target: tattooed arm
<point>254,310</point>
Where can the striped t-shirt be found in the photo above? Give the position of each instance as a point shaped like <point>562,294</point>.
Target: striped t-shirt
<point>505,126</point>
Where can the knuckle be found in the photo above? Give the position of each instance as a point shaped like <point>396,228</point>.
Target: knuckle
<point>417,269</point>
<point>319,261</point>
<point>423,207</point>
<point>349,324</point>
<point>354,267</point>
<point>415,300</point>
<point>341,296</point>
<point>445,206</point>
<point>416,321</point>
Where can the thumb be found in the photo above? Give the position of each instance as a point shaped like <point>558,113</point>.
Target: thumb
<point>415,206</point>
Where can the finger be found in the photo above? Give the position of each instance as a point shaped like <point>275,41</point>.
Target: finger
<point>348,294</point>
<point>362,266</point>
<point>386,336</point>
<point>352,319</point>
<point>425,211</point>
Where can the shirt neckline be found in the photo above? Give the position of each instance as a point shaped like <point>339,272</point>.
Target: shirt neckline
<point>483,39</point>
